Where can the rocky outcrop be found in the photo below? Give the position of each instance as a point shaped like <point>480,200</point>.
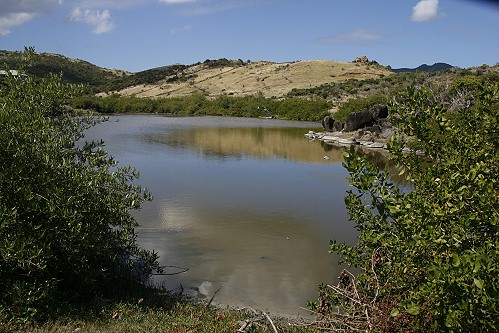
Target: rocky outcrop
<point>361,59</point>
<point>357,120</point>
<point>377,115</point>
<point>338,139</point>
<point>370,129</point>
<point>374,120</point>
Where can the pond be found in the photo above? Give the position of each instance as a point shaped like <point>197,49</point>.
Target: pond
<point>248,206</point>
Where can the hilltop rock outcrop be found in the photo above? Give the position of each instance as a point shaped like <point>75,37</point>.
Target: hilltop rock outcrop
<point>361,59</point>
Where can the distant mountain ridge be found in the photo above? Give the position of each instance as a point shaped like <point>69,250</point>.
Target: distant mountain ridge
<point>437,67</point>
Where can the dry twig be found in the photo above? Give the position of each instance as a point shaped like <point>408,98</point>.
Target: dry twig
<point>271,322</point>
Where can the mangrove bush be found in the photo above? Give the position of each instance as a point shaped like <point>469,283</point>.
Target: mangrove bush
<point>65,226</point>
<point>429,256</point>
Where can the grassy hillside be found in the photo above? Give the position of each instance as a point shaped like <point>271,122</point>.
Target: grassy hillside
<point>212,78</point>
<point>243,79</point>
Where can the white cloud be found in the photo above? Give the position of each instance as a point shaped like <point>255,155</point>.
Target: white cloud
<point>13,20</point>
<point>177,30</point>
<point>360,36</point>
<point>425,10</point>
<point>96,13</point>
<point>14,13</point>
<point>101,21</point>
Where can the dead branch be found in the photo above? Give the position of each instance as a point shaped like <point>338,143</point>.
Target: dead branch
<point>246,325</point>
<point>271,322</point>
<point>212,297</point>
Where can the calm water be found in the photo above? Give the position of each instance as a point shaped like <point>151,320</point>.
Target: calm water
<point>247,205</point>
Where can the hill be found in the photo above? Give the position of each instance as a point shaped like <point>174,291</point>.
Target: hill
<point>243,79</point>
<point>72,70</point>
<point>437,67</point>
<point>212,78</point>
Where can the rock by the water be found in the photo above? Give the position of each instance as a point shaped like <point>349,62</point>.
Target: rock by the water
<point>337,125</point>
<point>379,111</point>
<point>311,135</point>
<point>376,145</point>
<point>327,123</point>
<point>373,129</point>
<point>357,120</point>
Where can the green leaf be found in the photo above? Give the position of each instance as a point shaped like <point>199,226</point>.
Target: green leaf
<point>413,309</point>
<point>477,266</point>
<point>478,283</point>
<point>395,312</point>
<point>455,260</point>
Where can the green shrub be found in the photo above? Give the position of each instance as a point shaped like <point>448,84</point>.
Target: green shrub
<point>65,225</point>
<point>429,257</point>
<point>197,104</point>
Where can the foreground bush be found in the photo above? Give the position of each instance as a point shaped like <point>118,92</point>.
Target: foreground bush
<point>429,257</point>
<point>65,227</point>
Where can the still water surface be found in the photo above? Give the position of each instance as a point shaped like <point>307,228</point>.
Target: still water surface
<point>247,205</point>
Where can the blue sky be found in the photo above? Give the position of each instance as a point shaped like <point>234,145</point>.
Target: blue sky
<point>136,35</point>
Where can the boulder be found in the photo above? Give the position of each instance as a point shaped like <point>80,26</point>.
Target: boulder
<point>327,123</point>
<point>337,125</point>
<point>379,111</point>
<point>357,120</point>
<point>373,129</point>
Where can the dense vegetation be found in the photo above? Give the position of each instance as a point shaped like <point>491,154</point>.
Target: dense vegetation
<point>66,233</point>
<point>72,71</point>
<point>197,104</point>
<point>429,257</point>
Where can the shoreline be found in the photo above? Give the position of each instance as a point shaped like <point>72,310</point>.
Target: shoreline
<point>347,139</point>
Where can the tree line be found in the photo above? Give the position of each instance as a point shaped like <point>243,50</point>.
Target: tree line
<point>198,104</point>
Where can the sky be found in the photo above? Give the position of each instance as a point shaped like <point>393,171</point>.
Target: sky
<point>136,35</point>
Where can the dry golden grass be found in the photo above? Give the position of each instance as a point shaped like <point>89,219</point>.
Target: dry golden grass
<point>271,79</point>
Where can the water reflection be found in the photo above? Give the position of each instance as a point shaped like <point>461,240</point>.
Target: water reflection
<point>248,205</point>
<point>265,143</point>
<point>257,259</point>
